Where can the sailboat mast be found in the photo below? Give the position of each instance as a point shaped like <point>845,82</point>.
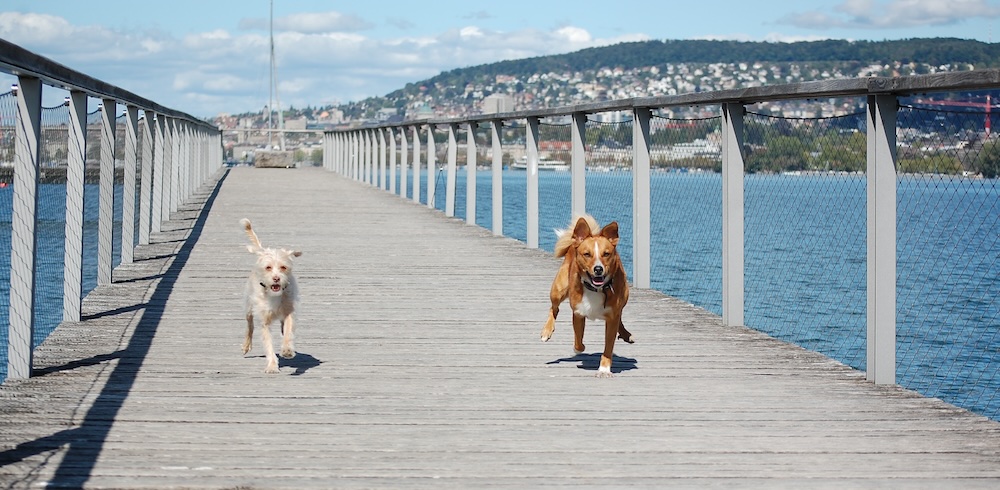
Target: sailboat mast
<point>270,86</point>
<point>274,89</point>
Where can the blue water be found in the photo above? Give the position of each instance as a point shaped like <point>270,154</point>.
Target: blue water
<point>805,253</point>
<point>50,251</point>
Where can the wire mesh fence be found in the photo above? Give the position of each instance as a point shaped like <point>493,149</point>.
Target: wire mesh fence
<point>554,187</point>
<point>948,222</point>
<point>515,180</point>
<point>805,231</point>
<point>484,176</point>
<point>8,115</point>
<point>686,207</point>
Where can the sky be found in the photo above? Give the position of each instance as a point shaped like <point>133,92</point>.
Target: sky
<point>209,57</point>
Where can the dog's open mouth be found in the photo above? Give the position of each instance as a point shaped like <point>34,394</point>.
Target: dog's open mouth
<point>276,288</point>
<point>597,281</point>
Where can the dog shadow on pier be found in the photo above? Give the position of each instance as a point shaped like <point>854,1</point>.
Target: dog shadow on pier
<point>592,361</point>
<point>301,363</point>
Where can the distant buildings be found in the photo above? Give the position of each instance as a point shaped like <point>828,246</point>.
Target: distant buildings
<point>497,103</point>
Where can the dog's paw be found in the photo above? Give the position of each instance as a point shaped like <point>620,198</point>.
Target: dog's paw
<point>246,347</point>
<point>629,339</point>
<point>287,353</point>
<point>272,365</point>
<point>604,372</point>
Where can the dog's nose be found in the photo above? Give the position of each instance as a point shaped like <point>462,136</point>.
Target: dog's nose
<point>598,270</point>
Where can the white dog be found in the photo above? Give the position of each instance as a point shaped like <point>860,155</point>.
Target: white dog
<point>271,294</point>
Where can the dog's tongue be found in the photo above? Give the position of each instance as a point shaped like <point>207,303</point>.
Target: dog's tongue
<point>597,280</point>
<point>276,287</point>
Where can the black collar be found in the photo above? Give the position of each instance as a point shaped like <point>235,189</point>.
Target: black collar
<point>604,288</point>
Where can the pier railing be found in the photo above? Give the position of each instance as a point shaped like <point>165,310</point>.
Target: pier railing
<point>80,186</point>
<point>855,217</point>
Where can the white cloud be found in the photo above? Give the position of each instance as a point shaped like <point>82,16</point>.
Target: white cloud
<point>321,57</point>
<point>892,14</point>
<point>471,31</point>
<point>574,35</point>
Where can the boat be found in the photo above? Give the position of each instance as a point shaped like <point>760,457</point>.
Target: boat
<point>544,164</point>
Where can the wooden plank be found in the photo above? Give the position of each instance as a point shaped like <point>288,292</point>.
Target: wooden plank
<point>419,367</point>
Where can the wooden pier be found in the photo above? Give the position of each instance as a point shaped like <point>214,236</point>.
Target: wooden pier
<point>419,366</point>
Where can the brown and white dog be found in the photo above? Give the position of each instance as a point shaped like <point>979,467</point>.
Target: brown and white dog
<point>270,293</point>
<point>593,278</point>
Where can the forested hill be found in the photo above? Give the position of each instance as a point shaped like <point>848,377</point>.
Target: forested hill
<point>934,52</point>
<point>673,66</point>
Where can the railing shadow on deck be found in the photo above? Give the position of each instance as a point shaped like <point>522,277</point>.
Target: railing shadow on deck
<point>86,441</point>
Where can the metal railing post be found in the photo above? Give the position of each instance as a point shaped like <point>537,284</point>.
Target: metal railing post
<point>382,180</point>
<point>345,155</point>
<point>156,199</point>
<point>131,160</point>
<point>169,183</point>
<point>416,164</point>
<point>431,167</point>
<point>531,141</point>
<point>106,205</point>
<point>27,136</point>
<point>450,181</point>
<point>370,158</point>
<point>578,164</point>
<point>881,186</point>
<point>496,126</point>
<point>732,214</point>
<point>331,153</point>
<point>352,156</point>
<point>470,174</point>
<point>340,158</point>
<point>404,149</point>
<point>366,154</point>
<point>76,159</point>
<point>641,198</point>
<point>391,138</point>
<point>146,177</point>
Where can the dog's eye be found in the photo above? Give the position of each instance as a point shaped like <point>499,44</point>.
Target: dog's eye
<point>267,268</point>
<point>587,254</point>
<point>606,254</point>
<point>284,268</point>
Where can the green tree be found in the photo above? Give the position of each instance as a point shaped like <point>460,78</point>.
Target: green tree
<point>930,164</point>
<point>987,162</point>
<point>780,153</point>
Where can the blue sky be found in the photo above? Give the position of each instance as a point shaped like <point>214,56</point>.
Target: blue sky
<point>207,57</point>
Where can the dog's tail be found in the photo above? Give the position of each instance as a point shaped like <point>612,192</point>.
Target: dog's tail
<point>565,237</point>
<point>250,234</point>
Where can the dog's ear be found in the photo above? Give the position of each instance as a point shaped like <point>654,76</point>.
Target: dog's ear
<point>582,230</point>
<point>251,249</point>
<point>610,231</point>
<point>296,253</point>
<point>292,253</point>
